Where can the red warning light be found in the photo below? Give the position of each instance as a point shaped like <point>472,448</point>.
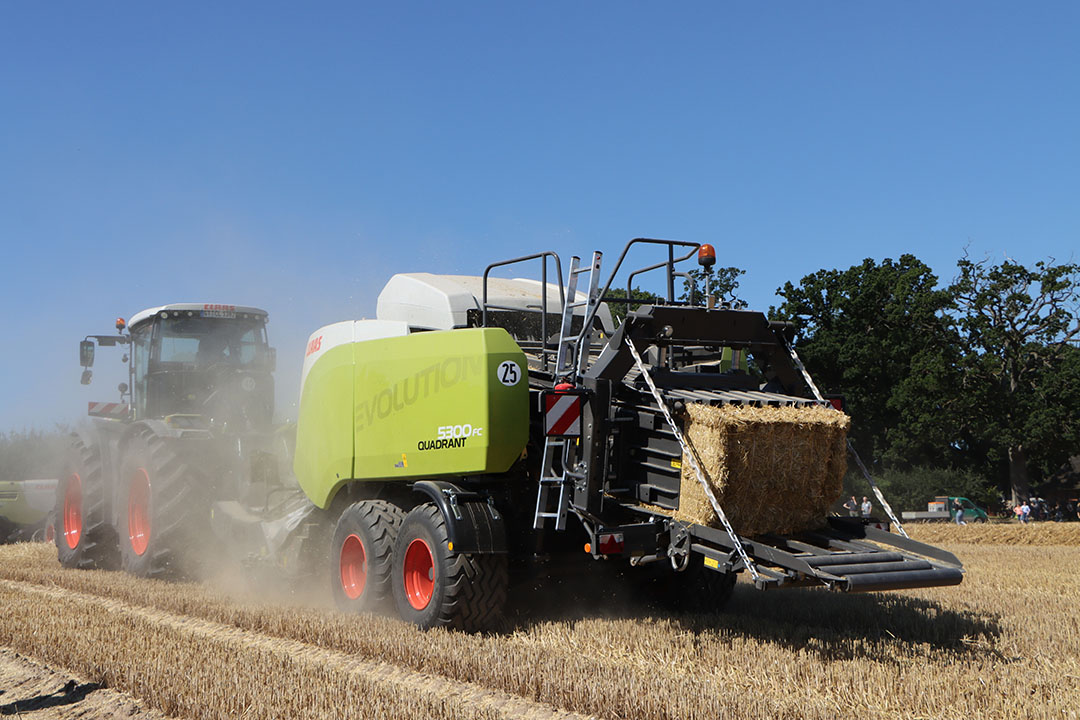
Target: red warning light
<point>706,255</point>
<point>120,324</point>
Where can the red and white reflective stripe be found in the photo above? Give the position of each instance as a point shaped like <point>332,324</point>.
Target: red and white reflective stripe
<point>113,410</point>
<point>562,414</point>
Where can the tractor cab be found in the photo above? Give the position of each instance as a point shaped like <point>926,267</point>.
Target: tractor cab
<point>197,359</point>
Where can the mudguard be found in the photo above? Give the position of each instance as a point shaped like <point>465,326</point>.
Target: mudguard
<point>473,524</point>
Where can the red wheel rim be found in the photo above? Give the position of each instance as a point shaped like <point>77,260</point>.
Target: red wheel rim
<point>73,511</point>
<point>353,567</point>
<point>419,574</point>
<point>139,511</point>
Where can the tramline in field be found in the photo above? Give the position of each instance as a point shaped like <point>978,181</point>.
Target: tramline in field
<point>475,434</point>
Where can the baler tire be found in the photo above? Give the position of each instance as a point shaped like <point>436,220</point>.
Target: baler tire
<point>467,591</point>
<point>84,538</point>
<point>370,527</point>
<point>161,533</point>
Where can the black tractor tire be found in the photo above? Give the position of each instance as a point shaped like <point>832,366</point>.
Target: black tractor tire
<point>84,537</point>
<point>361,555</point>
<point>434,587</point>
<point>164,513</point>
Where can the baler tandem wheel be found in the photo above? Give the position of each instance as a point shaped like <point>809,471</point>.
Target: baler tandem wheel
<point>436,587</point>
<point>360,556</point>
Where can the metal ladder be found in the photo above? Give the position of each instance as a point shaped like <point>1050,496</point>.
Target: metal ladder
<point>573,356</point>
<point>574,349</point>
<point>552,481</point>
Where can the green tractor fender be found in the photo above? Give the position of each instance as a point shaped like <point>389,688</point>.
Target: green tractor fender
<point>473,524</point>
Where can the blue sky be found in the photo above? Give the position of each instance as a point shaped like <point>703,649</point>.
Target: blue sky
<point>295,156</point>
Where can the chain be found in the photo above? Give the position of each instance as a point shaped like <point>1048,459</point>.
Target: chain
<point>691,457</point>
<point>851,448</point>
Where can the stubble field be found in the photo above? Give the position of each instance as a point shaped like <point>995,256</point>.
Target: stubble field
<point>1005,643</point>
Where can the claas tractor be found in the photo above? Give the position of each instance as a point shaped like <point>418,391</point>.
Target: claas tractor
<point>193,426</point>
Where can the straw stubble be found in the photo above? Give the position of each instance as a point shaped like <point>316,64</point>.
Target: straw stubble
<point>1004,642</point>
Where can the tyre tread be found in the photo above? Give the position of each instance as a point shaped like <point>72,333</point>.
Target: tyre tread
<point>97,547</point>
<point>475,585</point>
<point>176,523</point>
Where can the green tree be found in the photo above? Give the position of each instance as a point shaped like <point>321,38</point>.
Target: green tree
<point>620,309</point>
<point>721,283</point>
<point>912,489</point>
<point>879,335</point>
<point>1017,325</point>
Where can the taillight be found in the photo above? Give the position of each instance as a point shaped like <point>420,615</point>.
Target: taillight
<point>609,544</point>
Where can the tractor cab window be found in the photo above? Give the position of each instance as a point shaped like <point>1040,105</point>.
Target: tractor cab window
<point>211,366</point>
<point>178,348</point>
<point>140,355</point>
<point>205,342</point>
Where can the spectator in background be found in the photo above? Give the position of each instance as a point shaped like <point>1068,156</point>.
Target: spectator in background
<point>958,512</point>
<point>1025,512</point>
<point>852,507</point>
<point>867,508</point>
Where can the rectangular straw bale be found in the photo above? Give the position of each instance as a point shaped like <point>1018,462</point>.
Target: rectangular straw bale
<point>773,469</point>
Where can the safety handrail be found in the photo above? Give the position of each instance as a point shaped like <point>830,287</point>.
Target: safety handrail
<point>543,257</point>
<point>671,245</point>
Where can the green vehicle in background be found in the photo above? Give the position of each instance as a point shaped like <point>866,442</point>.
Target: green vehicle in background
<point>940,509</point>
<point>26,510</point>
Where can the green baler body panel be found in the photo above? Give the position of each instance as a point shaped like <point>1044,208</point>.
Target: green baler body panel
<point>26,502</point>
<point>324,433</point>
<point>424,405</point>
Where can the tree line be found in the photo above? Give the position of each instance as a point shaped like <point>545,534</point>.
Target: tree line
<point>976,381</point>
